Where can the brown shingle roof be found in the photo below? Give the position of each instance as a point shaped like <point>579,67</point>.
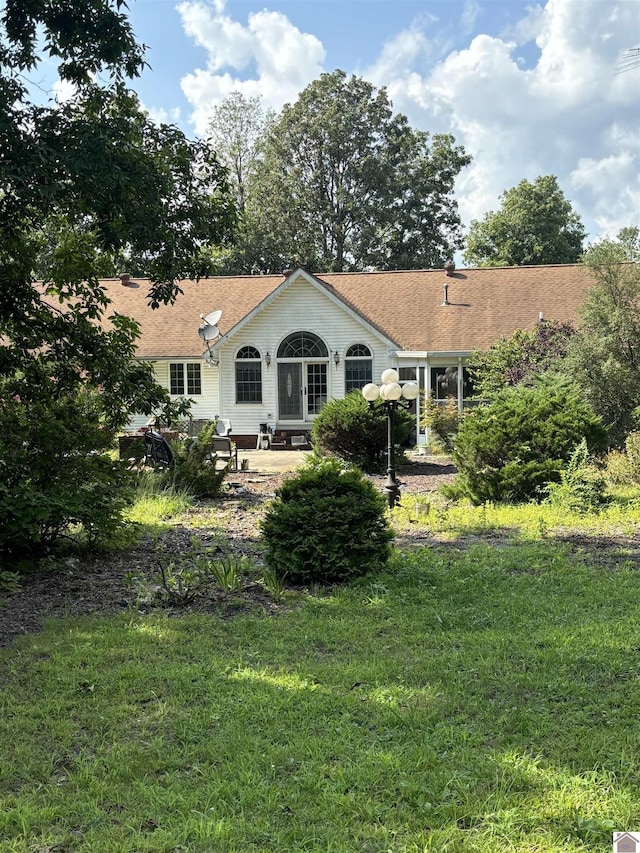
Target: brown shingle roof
<point>484,304</point>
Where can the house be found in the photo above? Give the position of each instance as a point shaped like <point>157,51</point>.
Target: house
<point>279,346</point>
<point>625,842</point>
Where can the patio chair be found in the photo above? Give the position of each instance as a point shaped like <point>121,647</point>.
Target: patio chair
<point>157,452</point>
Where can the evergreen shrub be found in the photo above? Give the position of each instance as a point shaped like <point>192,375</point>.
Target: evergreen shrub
<point>352,431</point>
<point>194,465</point>
<point>512,448</point>
<point>328,524</point>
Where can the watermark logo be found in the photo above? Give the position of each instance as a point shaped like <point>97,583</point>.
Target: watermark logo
<point>626,842</point>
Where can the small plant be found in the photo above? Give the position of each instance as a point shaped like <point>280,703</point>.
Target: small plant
<point>581,485</point>
<point>273,583</point>
<point>443,422</point>
<point>226,572</point>
<point>9,582</point>
<point>327,525</point>
<point>182,580</point>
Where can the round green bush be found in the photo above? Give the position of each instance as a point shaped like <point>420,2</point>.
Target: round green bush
<point>328,524</point>
<point>351,430</point>
<point>511,449</point>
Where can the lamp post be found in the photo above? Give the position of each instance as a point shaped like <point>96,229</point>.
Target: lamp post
<point>393,396</point>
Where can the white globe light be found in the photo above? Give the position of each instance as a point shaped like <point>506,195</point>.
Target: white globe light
<point>370,392</point>
<point>410,390</point>
<point>390,375</point>
<point>392,391</point>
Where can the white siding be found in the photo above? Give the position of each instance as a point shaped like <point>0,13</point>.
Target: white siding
<point>205,405</point>
<point>301,306</point>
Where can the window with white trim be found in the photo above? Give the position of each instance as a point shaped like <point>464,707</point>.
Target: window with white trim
<point>248,375</point>
<point>185,376</point>
<point>358,367</point>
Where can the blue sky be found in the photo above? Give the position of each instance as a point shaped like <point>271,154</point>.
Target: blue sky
<point>527,88</point>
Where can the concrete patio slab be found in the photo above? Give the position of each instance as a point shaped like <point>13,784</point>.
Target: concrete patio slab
<point>273,461</point>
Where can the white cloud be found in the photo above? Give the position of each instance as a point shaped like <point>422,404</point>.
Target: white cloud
<point>159,115</point>
<point>568,114</point>
<point>268,56</point>
<point>563,110</point>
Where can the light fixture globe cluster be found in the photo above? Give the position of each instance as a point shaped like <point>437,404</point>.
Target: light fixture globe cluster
<point>393,396</point>
<point>390,388</point>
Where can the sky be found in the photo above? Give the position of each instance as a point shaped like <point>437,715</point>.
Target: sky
<point>527,88</point>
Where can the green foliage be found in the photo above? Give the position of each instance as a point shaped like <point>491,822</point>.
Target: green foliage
<point>536,225</point>
<point>110,185</point>
<point>236,130</point>
<point>512,448</point>
<point>605,354</point>
<point>56,472</point>
<point>342,184</point>
<point>194,465</point>
<point>520,358</point>
<point>9,582</point>
<point>582,485</point>
<point>351,430</point>
<point>623,467</point>
<point>443,422</point>
<point>327,525</point>
<point>184,577</point>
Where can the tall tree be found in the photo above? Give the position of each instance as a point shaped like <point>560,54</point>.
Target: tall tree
<point>344,184</point>
<point>236,130</point>
<point>605,354</point>
<point>535,225</point>
<point>88,179</point>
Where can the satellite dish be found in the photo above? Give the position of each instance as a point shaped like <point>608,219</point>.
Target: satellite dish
<point>213,318</point>
<point>208,333</point>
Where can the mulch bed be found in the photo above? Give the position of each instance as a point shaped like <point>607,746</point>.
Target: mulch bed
<point>97,583</point>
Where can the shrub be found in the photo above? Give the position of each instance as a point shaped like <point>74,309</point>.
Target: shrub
<point>443,422</point>
<point>328,524</point>
<point>510,449</point>
<point>194,465</point>
<point>57,475</point>
<point>582,485</point>
<point>623,467</point>
<point>352,431</point>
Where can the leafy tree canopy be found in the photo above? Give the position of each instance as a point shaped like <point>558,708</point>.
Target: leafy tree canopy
<point>605,354</point>
<point>535,225</point>
<point>341,183</point>
<point>83,183</point>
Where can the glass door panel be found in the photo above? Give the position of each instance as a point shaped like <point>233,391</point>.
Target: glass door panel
<point>316,388</point>
<point>290,392</point>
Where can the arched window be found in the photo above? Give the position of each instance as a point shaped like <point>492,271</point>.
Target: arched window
<point>302,345</point>
<point>248,375</point>
<point>358,367</point>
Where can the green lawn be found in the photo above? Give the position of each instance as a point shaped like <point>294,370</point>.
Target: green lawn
<point>484,698</point>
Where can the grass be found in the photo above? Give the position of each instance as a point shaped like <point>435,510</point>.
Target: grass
<point>475,698</point>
